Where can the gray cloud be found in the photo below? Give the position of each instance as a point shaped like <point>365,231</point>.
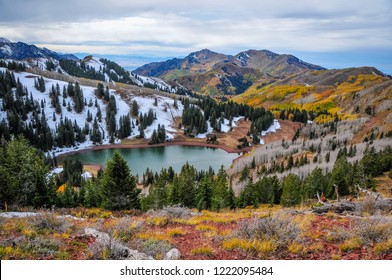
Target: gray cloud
<point>76,10</point>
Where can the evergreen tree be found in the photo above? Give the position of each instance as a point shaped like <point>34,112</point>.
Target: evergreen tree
<point>89,116</point>
<point>204,193</point>
<point>96,135</point>
<point>292,193</point>
<point>78,98</point>
<point>327,156</point>
<point>158,192</point>
<point>99,114</point>
<point>65,93</point>
<point>141,132</point>
<point>341,176</point>
<point>221,191</point>
<point>92,197</point>
<point>70,89</point>
<point>107,94</point>
<point>22,175</point>
<point>371,162</point>
<point>315,183</point>
<point>154,137</point>
<point>41,84</point>
<point>72,172</point>
<point>231,200</point>
<point>68,198</point>
<point>119,186</point>
<point>134,108</point>
<point>182,187</point>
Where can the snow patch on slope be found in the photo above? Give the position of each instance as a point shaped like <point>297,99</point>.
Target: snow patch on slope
<point>165,113</point>
<point>6,49</point>
<point>273,128</point>
<point>95,63</point>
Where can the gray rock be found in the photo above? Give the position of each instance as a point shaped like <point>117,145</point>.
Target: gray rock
<point>173,254</point>
<point>101,237</point>
<point>18,214</point>
<point>118,250</point>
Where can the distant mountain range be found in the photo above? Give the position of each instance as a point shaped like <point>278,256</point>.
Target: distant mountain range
<point>20,51</point>
<point>208,72</point>
<point>90,67</point>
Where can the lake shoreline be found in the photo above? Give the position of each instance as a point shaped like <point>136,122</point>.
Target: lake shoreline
<point>165,144</point>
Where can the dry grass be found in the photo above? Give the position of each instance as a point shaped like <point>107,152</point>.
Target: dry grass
<point>213,217</point>
<point>158,221</point>
<point>317,247</point>
<point>383,247</point>
<point>174,232</point>
<point>297,248</point>
<point>225,232</point>
<point>91,213</point>
<point>351,244</point>
<point>157,235</point>
<point>205,228</point>
<point>337,235</point>
<point>265,247</point>
<point>204,251</point>
<point>190,222</point>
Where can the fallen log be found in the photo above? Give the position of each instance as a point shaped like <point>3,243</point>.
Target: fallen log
<point>384,205</point>
<point>338,207</point>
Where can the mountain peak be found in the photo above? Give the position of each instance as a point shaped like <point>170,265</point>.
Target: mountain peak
<point>205,54</point>
<point>5,40</point>
<point>21,50</point>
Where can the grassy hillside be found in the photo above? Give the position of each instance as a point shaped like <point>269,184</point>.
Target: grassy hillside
<point>349,93</point>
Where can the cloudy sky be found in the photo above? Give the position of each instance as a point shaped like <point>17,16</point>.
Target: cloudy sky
<point>332,33</point>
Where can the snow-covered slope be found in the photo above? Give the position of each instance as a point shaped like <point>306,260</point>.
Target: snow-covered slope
<point>39,62</point>
<point>115,73</point>
<point>164,110</point>
<point>165,113</point>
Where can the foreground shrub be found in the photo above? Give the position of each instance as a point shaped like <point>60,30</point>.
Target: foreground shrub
<point>374,230</point>
<point>48,223</point>
<point>125,229</point>
<point>172,212</point>
<point>156,248</point>
<point>279,228</point>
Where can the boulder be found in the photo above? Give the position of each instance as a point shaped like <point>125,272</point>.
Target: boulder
<point>118,250</point>
<point>173,254</point>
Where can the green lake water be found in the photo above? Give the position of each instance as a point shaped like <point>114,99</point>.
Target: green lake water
<point>156,158</point>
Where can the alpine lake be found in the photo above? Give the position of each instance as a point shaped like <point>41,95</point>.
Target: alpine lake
<point>156,158</point>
